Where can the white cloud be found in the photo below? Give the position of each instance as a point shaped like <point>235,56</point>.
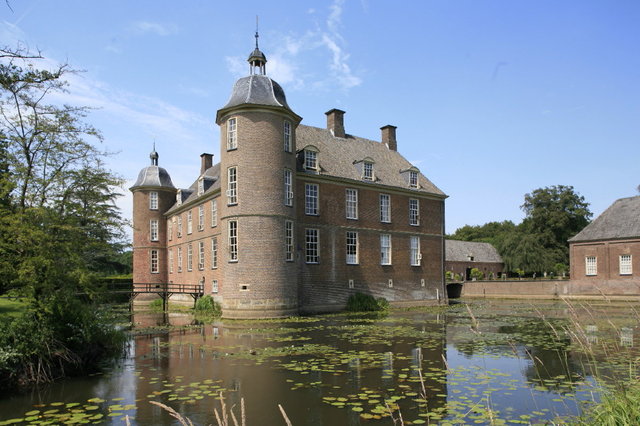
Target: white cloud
<point>145,27</point>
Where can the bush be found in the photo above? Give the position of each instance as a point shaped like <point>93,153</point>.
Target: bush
<point>206,305</point>
<point>359,302</point>
<point>477,274</point>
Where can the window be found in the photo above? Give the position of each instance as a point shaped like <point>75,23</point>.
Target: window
<point>367,171</point>
<point>233,240</point>
<point>625,264</point>
<point>591,263</point>
<point>170,261</point>
<point>179,259</point>
<point>310,160</point>
<point>153,231</point>
<point>232,185</point>
<point>288,187</point>
<point>232,134</point>
<point>154,262</point>
<point>288,240</point>
<point>385,249</point>
<point>189,222</point>
<point>311,245</point>
<point>351,203</point>
<point>413,179</point>
<point>170,229</point>
<point>153,200</point>
<point>414,212</point>
<point>385,208</point>
<point>200,186</point>
<point>214,213</point>
<point>287,136</point>
<point>189,257</point>
<point>414,248</point>
<point>201,218</point>
<point>352,248</point>
<point>179,226</point>
<point>311,199</point>
<point>214,252</point>
<point>214,286</point>
<point>201,255</point>
<point>179,197</point>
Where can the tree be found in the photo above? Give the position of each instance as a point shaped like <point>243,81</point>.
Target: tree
<point>521,250</point>
<point>490,232</point>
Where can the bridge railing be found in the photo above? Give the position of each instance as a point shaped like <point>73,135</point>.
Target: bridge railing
<point>168,288</point>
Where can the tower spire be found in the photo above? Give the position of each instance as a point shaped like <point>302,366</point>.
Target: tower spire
<point>154,155</point>
<point>257,60</point>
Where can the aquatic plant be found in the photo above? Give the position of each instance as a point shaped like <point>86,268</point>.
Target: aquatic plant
<point>360,302</point>
<point>206,305</point>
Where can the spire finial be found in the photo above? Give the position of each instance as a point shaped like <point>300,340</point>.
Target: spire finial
<point>257,60</point>
<point>154,155</point>
<point>257,31</point>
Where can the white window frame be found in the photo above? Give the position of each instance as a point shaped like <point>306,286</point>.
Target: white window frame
<point>200,186</point>
<point>189,257</point>
<point>351,247</point>
<point>591,265</point>
<point>232,186</point>
<point>154,264</point>
<point>214,253</point>
<point>153,229</point>
<point>385,249</point>
<point>153,200</point>
<point>201,217</point>
<point>170,229</point>
<point>170,261</point>
<point>179,232</point>
<point>385,208</point>
<point>214,213</point>
<point>179,259</point>
<point>201,255</point>
<point>310,160</point>
<point>351,203</point>
<point>233,240</point>
<point>311,199</point>
<point>232,134</point>
<point>414,212</point>
<point>189,222</point>
<point>367,171</point>
<point>312,245</point>
<point>415,256</point>
<point>288,240</point>
<point>626,264</point>
<point>214,286</point>
<point>288,187</point>
<point>413,179</point>
<point>286,132</point>
<point>179,197</point>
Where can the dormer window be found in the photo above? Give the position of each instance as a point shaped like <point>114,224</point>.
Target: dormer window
<point>201,186</point>
<point>232,134</point>
<point>179,197</point>
<point>367,172</point>
<point>413,179</point>
<point>310,160</point>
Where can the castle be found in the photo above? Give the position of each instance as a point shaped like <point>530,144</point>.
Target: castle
<point>292,218</point>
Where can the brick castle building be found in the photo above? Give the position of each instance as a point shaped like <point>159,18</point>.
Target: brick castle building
<point>292,218</point>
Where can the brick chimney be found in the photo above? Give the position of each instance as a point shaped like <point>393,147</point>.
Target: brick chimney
<point>206,161</point>
<point>389,137</point>
<point>335,122</point>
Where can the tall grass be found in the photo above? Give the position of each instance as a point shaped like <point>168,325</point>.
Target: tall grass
<point>360,302</point>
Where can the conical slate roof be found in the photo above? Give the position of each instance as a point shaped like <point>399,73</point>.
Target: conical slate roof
<point>153,176</point>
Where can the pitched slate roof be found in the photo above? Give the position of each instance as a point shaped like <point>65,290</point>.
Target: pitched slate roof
<point>337,158</point>
<point>621,220</point>
<point>459,251</point>
<point>211,183</point>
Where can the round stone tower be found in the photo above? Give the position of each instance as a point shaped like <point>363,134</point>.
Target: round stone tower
<point>153,195</point>
<point>257,171</point>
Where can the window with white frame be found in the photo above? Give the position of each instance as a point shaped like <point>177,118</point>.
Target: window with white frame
<point>352,248</point>
<point>625,264</point>
<point>214,286</point>
<point>214,213</point>
<point>200,255</point>
<point>351,203</point>
<point>414,250</point>
<point>288,187</point>
<point>311,199</point>
<point>170,261</point>
<point>154,262</point>
<point>214,252</point>
<point>233,240</point>
<point>189,257</point>
<point>413,179</point>
<point>179,259</point>
<point>179,232</point>
<point>232,134</point>
<point>385,208</point>
<point>179,197</point>
<point>312,245</point>
<point>153,200</point>
<point>170,229</point>
<point>232,185</point>
<point>414,212</point>
<point>385,249</point>
<point>201,218</point>
<point>367,173</point>
<point>153,230</point>
<point>200,186</point>
<point>288,240</point>
<point>287,136</point>
<point>189,222</point>
<point>591,265</point>
<point>310,160</point>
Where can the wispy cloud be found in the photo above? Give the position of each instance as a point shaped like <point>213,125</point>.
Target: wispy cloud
<point>146,27</point>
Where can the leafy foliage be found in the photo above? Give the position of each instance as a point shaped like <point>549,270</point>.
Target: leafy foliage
<point>360,302</point>
<point>206,305</point>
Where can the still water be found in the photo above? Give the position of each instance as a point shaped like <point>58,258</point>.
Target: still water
<point>475,363</point>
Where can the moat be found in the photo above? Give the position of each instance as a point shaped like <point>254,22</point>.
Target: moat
<point>500,361</point>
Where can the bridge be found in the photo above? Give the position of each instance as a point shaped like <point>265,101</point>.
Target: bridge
<point>166,290</point>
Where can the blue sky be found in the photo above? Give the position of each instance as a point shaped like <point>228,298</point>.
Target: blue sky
<point>492,99</point>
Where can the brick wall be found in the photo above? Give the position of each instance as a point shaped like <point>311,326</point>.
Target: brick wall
<point>607,254</point>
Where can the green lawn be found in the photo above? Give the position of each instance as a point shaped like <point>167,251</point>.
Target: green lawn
<point>11,308</point>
